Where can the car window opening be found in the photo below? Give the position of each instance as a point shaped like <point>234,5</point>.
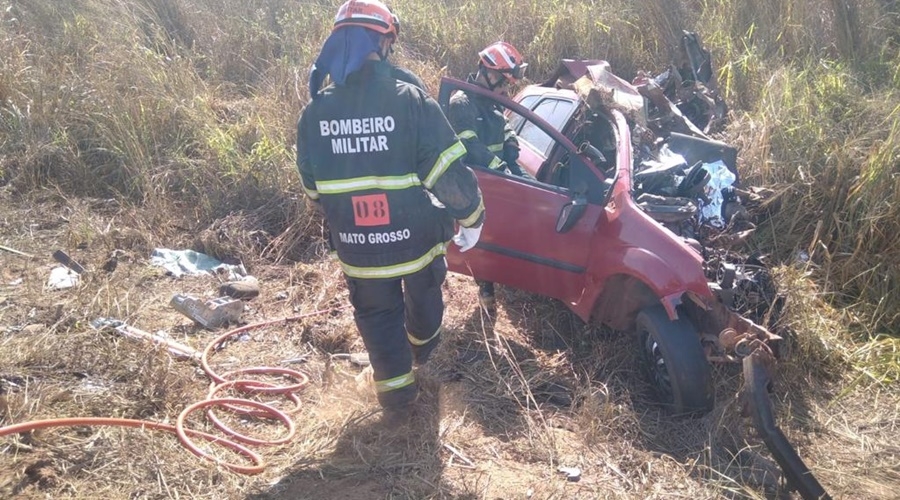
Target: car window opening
<point>556,112</point>
<point>516,121</point>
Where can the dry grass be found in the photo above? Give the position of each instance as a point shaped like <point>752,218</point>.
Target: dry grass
<point>126,126</point>
<point>186,109</point>
<point>506,402</point>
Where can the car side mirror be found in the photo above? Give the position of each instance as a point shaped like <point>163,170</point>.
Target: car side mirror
<point>570,214</point>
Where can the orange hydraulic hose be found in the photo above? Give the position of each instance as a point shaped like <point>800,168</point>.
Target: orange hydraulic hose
<point>258,466</point>
<point>220,382</point>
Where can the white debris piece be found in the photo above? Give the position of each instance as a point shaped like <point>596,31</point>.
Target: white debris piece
<point>720,178</point>
<point>61,278</point>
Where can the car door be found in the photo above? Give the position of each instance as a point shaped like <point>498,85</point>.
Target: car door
<point>520,243</point>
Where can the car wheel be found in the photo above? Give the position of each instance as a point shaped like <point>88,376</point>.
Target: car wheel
<point>676,361</point>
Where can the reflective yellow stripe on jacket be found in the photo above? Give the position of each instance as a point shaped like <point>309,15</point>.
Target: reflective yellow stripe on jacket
<point>450,155</point>
<point>395,182</point>
<point>472,219</point>
<point>396,270</point>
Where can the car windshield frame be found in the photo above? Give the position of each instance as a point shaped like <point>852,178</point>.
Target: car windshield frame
<point>449,85</point>
<point>560,140</point>
<point>562,118</point>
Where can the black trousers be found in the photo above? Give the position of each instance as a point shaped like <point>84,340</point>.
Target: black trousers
<point>399,320</point>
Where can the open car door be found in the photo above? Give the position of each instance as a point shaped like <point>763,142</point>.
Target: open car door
<point>537,235</point>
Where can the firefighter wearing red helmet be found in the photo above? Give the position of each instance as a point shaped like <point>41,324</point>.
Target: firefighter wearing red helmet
<point>372,151</point>
<point>354,15</point>
<point>490,141</point>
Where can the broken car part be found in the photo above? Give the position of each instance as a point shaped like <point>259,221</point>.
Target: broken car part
<point>64,259</point>
<point>174,347</point>
<point>212,313</point>
<point>757,380</point>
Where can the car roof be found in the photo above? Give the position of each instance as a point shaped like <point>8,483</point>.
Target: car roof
<point>543,91</point>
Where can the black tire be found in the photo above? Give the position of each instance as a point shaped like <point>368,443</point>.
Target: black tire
<point>676,362</point>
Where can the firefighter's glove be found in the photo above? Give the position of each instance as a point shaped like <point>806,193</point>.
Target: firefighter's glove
<point>510,151</point>
<point>511,156</point>
<point>516,170</point>
<point>467,237</point>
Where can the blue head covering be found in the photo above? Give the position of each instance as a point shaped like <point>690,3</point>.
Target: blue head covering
<point>343,53</point>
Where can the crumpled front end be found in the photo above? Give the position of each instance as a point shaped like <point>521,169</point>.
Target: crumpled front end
<point>729,337</point>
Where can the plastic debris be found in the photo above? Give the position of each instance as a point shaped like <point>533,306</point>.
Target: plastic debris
<point>360,358</point>
<point>720,178</point>
<point>160,339</point>
<point>357,358</point>
<point>191,263</point>
<point>572,473</point>
<point>62,278</point>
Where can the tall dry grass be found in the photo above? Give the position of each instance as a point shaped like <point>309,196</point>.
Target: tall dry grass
<point>183,112</point>
<point>832,144</point>
<point>187,107</point>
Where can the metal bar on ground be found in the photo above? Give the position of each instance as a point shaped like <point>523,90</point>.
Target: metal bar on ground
<point>756,383</point>
<point>13,250</point>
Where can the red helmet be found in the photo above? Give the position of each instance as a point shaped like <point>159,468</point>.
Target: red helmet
<point>503,57</point>
<point>370,14</point>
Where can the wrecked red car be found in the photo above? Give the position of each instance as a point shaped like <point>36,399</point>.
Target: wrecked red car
<point>576,231</point>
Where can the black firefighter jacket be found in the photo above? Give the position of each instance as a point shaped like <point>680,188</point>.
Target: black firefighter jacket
<point>490,141</point>
<point>368,151</point>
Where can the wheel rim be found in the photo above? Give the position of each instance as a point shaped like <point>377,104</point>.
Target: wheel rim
<point>658,369</point>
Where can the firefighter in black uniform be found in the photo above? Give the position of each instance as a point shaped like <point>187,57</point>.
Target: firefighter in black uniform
<point>490,141</point>
<point>370,150</point>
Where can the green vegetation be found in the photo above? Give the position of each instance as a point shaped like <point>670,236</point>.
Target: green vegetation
<point>186,109</point>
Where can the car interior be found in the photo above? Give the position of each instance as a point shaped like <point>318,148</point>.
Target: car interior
<point>595,139</point>
<point>593,135</point>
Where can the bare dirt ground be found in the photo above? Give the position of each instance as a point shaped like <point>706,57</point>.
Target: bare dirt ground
<point>505,403</point>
